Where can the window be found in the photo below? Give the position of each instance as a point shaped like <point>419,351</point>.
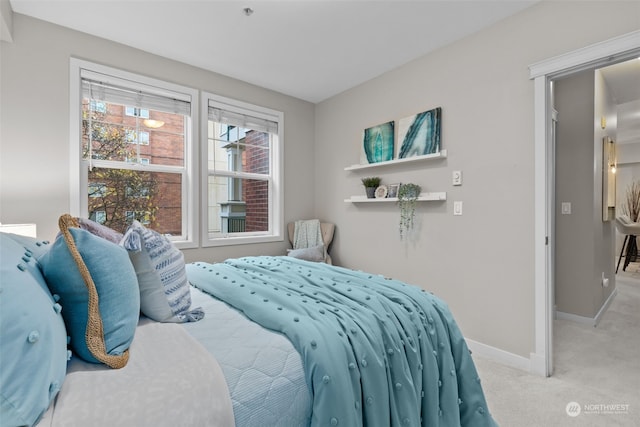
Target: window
<point>136,112</point>
<point>100,107</point>
<point>97,189</point>
<point>128,170</point>
<point>98,216</point>
<point>141,216</point>
<point>243,186</point>
<point>137,137</point>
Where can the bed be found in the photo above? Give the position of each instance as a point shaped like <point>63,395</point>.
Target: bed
<point>267,341</point>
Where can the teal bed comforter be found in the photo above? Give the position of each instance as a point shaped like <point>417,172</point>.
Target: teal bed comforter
<point>376,352</point>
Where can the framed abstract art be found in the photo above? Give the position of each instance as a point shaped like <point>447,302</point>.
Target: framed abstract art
<point>420,134</point>
<point>378,143</point>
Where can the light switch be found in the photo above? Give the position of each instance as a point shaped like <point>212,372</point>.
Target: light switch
<point>457,208</point>
<point>566,208</point>
<point>457,177</point>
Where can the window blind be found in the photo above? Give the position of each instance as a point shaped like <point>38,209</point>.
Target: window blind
<point>135,97</point>
<point>241,120</point>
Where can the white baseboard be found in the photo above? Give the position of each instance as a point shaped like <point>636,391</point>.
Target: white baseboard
<point>588,320</point>
<point>500,356</point>
<point>560,315</point>
<point>605,307</point>
<point>538,365</point>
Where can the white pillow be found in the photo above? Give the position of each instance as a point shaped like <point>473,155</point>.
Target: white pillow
<point>165,295</point>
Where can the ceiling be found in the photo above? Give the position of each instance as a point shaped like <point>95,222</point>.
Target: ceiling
<point>623,80</point>
<point>308,49</point>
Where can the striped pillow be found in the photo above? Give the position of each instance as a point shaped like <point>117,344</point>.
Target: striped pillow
<point>165,295</point>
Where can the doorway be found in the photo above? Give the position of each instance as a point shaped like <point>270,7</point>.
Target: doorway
<point>543,73</point>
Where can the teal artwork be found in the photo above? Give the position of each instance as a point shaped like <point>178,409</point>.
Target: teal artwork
<point>378,143</point>
<point>420,134</point>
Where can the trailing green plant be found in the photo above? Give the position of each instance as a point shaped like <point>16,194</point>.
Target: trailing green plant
<point>407,200</point>
<point>371,182</point>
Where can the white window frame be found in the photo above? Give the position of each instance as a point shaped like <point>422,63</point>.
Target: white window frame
<point>275,232</point>
<point>79,167</point>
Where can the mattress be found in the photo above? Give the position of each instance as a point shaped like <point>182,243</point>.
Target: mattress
<point>263,370</point>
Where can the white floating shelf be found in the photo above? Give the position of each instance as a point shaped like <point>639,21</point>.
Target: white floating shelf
<point>439,155</point>
<point>424,197</point>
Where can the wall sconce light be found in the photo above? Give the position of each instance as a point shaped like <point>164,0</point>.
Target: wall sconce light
<point>153,124</point>
<point>609,167</point>
<point>613,158</point>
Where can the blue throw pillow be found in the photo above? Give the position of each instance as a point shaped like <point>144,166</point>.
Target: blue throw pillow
<point>98,292</point>
<point>165,295</point>
<point>33,339</point>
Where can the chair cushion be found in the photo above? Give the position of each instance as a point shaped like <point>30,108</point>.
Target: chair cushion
<point>315,253</point>
<point>327,230</point>
<point>98,292</point>
<point>33,338</point>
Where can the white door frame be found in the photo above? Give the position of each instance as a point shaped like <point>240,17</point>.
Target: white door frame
<point>598,55</point>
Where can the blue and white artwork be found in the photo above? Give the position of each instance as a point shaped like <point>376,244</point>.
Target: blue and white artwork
<point>378,143</point>
<point>420,134</point>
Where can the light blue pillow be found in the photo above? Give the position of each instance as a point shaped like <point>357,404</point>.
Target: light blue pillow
<point>100,332</point>
<point>33,339</point>
<point>165,295</point>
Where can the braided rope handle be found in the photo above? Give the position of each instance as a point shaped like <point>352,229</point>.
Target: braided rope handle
<point>94,333</point>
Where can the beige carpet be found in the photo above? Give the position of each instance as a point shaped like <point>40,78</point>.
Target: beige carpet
<point>598,368</point>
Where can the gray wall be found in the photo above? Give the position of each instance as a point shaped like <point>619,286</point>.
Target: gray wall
<point>584,243</point>
<point>34,117</point>
<point>628,165</point>
<point>482,262</point>
<point>604,106</point>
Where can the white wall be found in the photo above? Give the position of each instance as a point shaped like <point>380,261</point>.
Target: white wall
<point>34,119</point>
<point>482,262</point>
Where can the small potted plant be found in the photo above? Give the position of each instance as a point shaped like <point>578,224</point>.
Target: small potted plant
<point>407,199</point>
<point>370,185</point>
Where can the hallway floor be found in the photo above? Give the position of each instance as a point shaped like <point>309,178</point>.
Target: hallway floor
<point>597,368</point>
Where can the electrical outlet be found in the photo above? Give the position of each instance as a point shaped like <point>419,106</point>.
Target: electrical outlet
<point>457,208</point>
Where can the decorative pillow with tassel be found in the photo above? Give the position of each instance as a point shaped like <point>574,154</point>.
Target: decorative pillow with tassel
<point>165,295</point>
<point>98,292</point>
